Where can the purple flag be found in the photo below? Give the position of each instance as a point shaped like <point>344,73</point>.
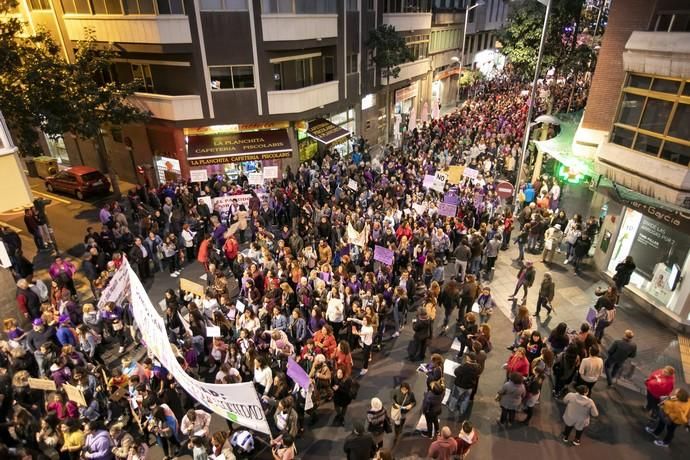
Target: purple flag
<point>383,255</point>
<point>297,374</point>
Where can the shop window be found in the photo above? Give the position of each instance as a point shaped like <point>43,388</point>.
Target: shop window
<point>299,6</point>
<point>223,5</point>
<point>141,74</point>
<point>107,7</point>
<point>232,77</point>
<point>39,4</point>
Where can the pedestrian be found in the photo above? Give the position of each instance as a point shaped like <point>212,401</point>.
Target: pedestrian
<point>28,302</point>
<point>466,378</point>
<point>97,445</point>
<point>580,251</point>
<point>659,385</point>
<point>342,395</point>
<point>552,241</point>
<point>604,318</point>
<point>486,304</point>
<point>675,411</point>
<point>359,445</point>
<point>525,280</point>
<point>547,291</point>
<point>431,407</point>
<point>403,401</point>
<point>444,447</point>
<point>619,351</point>
<point>422,334</point>
<point>624,271</point>
<point>521,241</point>
<point>578,411</point>
<point>510,398</point>
<point>466,438</point>
<point>590,369</point>
<point>517,363</point>
<point>378,422</point>
<point>521,323</point>
<point>63,270</point>
<point>32,225</point>
<point>533,385</point>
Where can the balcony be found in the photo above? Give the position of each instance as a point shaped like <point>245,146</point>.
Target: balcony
<point>658,53</point>
<point>303,99</point>
<point>410,70</point>
<point>404,22</point>
<point>172,108</point>
<point>156,29</point>
<point>287,27</point>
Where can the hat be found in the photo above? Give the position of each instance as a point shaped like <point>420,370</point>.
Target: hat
<point>37,322</point>
<point>376,404</point>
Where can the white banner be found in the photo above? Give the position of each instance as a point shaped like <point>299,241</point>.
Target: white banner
<point>256,178</point>
<point>236,402</point>
<point>270,172</point>
<point>118,288</point>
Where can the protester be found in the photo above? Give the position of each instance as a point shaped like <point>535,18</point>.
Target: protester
<point>579,408</point>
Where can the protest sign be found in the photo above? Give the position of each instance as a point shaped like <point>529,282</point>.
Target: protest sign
<point>352,185</point>
<point>454,174</point>
<point>358,238</point>
<point>419,208</point>
<point>240,306</point>
<point>451,198</point>
<point>42,384</point>
<point>297,374</point>
<point>270,172</point>
<point>74,394</point>
<point>198,175</point>
<point>439,182</point>
<point>447,210</point>
<point>428,181</point>
<point>213,331</point>
<point>383,255</point>
<point>118,288</point>
<point>255,178</point>
<point>237,402</point>
<point>470,173</point>
<point>190,286</point>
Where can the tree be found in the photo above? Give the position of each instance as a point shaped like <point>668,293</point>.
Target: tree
<point>40,90</point>
<point>563,50</point>
<point>389,51</point>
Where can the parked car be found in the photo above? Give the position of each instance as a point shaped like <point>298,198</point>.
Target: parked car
<point>80,181</point>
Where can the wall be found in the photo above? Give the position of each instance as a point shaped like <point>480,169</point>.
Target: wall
<point>14,188</point>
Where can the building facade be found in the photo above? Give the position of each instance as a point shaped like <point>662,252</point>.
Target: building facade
<point>234,85</point>
<point>641,147</point>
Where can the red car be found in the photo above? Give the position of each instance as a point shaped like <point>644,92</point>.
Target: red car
<point>80,181</point>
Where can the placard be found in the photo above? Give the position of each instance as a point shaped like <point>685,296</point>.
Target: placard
<point>297,374</point>
<point>353,185</point>
<point>255,178</point>
<point>447,210</point>
<point>42,384</point>
<point>428,181</point>
<point>198,175</point>
<point>270,172</point>
<point>240,306</point>
<point>454,174</point>
<point>439,182</point>
<point>74,394</point>
<point>195,288</point>
<point>470,173</point>
<point>383,255</point>
<point>213,331</point>
<point>419,208</point>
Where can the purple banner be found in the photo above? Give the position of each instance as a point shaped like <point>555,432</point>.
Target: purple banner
<point>297,374</point>
<point>448,210</point>
<point>451,198</point>
<point>383,255</point>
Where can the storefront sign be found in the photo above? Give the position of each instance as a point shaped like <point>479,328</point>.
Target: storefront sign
<point>326,132</point>
<point>238,147</point>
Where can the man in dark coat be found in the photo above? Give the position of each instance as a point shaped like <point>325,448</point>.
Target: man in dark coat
<point>359,445</point>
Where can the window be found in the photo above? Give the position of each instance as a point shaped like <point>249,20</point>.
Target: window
<point>76,6</point>
<point>654,117</point>
<point>299,6</point>
<point>232,77</point>
<point>371,5</point>
<point>418,45</point>
<point>223,5</point>
<point>39,4</point>
<point>140,6</point>
<point>352,63</point>
<point>407,6</point>
<point>170,6</point>
<point>107,7</point>
<point>141,74</point>
<point>352,5</point>
<point>300,73</point>
<point>678,21</point>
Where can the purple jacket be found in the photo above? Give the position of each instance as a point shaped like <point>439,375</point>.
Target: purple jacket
<point>98,446</point>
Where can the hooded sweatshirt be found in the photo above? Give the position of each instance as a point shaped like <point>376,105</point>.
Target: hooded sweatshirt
<point>98,446</point>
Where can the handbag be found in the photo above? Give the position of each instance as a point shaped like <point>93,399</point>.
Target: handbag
<point>396,412</point>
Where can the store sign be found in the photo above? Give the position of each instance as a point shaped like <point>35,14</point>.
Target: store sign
<point>407,92</point>
<point>238,147</point>
<point>326,132</point>
<point>676,219</point>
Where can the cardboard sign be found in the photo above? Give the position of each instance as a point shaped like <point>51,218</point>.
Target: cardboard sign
<point>270,172</point>
<point>74,394</point>
<point>454,174</point>
<point>447,210</point>
<point>213,331</point>
<point>195,288</point>
<point>439,182</point>
<point>428,181</point>
<point>470,173</point>
<point>451,198</point>
<point>42,384</point>
<point>256,178</point>
<point>383,255</point>
<point>353,185</point>
<point>240,306</point>
<point>198,175</point>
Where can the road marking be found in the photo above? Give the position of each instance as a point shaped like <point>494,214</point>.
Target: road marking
<point>52,197</point>
<point>12,227</point>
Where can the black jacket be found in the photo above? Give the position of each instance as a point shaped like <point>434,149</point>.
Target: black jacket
<point>359,446</point>
<point>432,403</point>
<point>466,375</point>
<point>620,350</point>
<point>422,329</point>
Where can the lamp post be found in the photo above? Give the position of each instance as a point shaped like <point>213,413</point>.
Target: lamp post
<point>532,96</point>
<point>464,37</point>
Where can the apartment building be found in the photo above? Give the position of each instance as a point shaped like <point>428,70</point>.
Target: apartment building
<point>482,48</point>
<point>636,127</point>
<point>234,84</point>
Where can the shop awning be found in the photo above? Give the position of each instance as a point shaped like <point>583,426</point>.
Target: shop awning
<point>326,132</point>
<point>214,149</point>
<point>561,146</point>
<point>667,214</point>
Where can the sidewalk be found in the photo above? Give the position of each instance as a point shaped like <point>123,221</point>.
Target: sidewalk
<point>657,346</point>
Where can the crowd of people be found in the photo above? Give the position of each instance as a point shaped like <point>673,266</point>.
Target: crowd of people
<point>294,273</point>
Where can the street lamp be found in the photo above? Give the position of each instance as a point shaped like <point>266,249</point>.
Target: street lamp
<point>532,96</point>
<point>462,52</point>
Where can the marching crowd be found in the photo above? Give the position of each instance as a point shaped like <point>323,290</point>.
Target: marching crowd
<point>296,272</point>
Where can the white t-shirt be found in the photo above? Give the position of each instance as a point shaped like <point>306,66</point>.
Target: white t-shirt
<point>367,335</point>
<point>334,312</point>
